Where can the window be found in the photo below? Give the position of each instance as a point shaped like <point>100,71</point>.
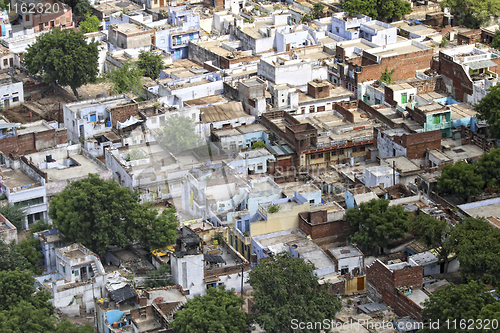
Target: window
<point>344,270</point>
<point>27,17</point>
<point>30,202</point>
<point>443,117</point>
<point>437,119</point>
<point>337,28</point>
<point>311,201</point>
<point>320,155</point>
<point>6,62</point>
<point>354,149</point>
<point>260,166</point>
<point>362,148</point>
<point>15,99</point>
<point>311,109</point>
<point>341,151</point>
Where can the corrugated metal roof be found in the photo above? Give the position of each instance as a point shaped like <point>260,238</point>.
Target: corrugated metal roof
<point>481,64</point>
<point>221,112</point>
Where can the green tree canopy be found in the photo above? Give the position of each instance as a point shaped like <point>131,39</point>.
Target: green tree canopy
<point>91,24</point>
<point>385,10</point>
<point>151,63</point>
<point>15,215</point>
<point>125,79</point>
<point>386,76</point>
<point>459,303</point>
<point>477,245</point>
<point>160,277</point>
<point>258,144</point>
<point>218,311</point>
<point>488,167</point>
<point>23,310</point>
<point>434,234</point>
<point>80,8</point>
<point>63,57</point>
<point>473,13</point>
<point>178,134</point>
<point>496,40</point>
<point>460,178</point>
<point>489,109</point>
<point>375,223</point>
<point>113,214</point>
<point>286,288</point>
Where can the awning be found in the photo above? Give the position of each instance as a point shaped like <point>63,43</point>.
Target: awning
<point>123,294</point>
<point>481,64</point>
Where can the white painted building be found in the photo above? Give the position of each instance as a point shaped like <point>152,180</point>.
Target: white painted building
<point>24,187</point>
<point>151,170</point>
<point>347,259</point>
<point>80,277</point>
<point>87,118</point>
<point>11,91</point>
<point>292,70</point>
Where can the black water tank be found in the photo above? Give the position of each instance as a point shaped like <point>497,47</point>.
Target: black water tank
<point>48,158</point>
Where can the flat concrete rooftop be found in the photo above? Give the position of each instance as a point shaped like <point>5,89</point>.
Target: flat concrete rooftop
<point>86,166</point>
<point>17,178</point>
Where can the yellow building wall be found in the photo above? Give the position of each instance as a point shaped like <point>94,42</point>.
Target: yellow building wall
<point>280,221</point>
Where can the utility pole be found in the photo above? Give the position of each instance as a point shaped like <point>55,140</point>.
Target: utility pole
<point>393,173</point>
<point>242,269</point>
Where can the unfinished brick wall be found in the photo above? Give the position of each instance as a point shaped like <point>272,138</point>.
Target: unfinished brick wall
<point>382,282</point>
<point>405,65</point>
<point>341,108</point>
<point>123,112</point>
<point>316,225</point>
<point>417,143</point>
<point>406,307</point>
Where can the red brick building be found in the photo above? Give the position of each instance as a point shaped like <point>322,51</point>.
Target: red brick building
<point>405,58</point>
<point>392,284</point>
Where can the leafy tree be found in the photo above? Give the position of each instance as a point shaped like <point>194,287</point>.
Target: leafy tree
<point>125,79</point>
<point>488,167</point>
<point>160,277</point>
<point>477,245</point>
<point>318,9</point>
<point>151,63</point>
<point>365,7</point>
<point>496,40</point>
<point>473,13</point>
<point>91,24</point>
<point>385,10</point>
<point>112,212</point>
<point>273,208</point>
<point>460,178</point>
<point>162,229</point>
<point>489,109</point>
<point>81,8</point>
<point>178,134</point>
<point>63,57</point>
<point>386,76</point>
<point>286,288</point>
<point>11,259</point>
<point>458,303</point>
<point>258,144</point>
<point>30,249</point>
<point>23,310</point>
<point>375,223</point>
<point>17,286</point>
<point>218,311</point>
<point>15,215</point>
<point>434,233</point>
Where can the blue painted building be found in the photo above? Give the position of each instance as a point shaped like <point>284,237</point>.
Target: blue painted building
<point>174,33</point>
